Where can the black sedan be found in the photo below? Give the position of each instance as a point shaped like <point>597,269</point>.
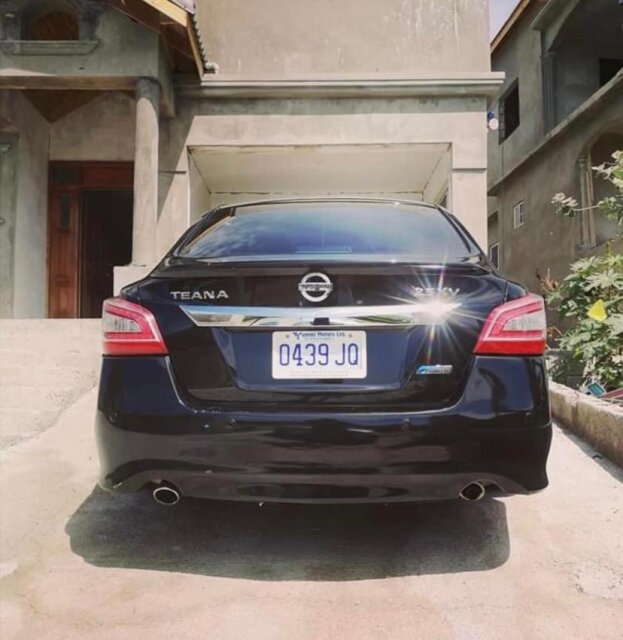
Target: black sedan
<point>324,350</point>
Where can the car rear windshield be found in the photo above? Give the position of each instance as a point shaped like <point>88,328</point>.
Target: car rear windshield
<point>336,231</point>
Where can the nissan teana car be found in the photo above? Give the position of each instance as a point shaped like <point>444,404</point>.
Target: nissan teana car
<point>324,350</point>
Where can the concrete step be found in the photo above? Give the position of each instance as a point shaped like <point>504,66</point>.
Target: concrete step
<point>54,376</point>
<point>30,342</point>
<point>36,341</point>
<point>41,398</point>
<point>40,326</point>
<point>47,346</point>
<point>17,425</point>
<point>51,343</point>
<point>9,417</point>
<point>48,357</point>
<point>45,365</point>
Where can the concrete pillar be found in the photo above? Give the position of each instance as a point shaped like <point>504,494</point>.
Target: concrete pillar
<point>8,196</point>
<point>146,172</point>
<point>468,201</point>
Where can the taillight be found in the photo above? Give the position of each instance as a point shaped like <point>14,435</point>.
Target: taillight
<point>130,330</point>
<point>516,327</point>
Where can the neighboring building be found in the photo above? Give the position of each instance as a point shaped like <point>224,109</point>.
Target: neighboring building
<point>560,112</point>
<point>121,122</point>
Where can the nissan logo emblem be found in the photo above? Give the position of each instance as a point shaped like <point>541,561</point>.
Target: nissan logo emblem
<point>315,287</point>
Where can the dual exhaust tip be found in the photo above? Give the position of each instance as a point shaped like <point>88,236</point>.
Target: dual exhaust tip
<point>168,495</point>
<point>473,492</point>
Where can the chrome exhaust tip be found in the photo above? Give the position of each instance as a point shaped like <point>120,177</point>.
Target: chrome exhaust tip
<point>473,492</point>
<point>165,495</point>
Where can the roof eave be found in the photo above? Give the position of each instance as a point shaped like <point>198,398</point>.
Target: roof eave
<point>485,85</point>
<point>199,52</point>
<point>511,21</point>
<point>548,13</point>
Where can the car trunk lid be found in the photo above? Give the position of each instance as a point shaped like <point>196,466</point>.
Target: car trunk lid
<point>418,324</point>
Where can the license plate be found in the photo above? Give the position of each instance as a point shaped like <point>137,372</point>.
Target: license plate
<point>319,354</point>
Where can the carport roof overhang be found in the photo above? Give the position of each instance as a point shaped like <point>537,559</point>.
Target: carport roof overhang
<point>456,84</point>
<point>391,170</point>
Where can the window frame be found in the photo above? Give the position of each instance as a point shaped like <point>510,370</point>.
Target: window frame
<point>496,263</point>
<point>519,207</point>
<point>34,22</point>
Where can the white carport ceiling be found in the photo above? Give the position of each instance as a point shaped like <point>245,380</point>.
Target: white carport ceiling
<point>324,169</point>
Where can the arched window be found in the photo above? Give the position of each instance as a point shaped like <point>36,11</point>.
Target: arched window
<point>56,25</point>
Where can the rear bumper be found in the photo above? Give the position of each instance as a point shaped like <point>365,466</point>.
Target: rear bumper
<point>498,433</point>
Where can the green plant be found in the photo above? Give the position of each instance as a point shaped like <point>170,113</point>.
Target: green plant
<point>563,368</point>
<point>596,343</point>
<point>612,206</point>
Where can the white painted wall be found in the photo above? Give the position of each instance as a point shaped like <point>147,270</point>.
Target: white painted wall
<point>233,174</point>
<point>302,38</point>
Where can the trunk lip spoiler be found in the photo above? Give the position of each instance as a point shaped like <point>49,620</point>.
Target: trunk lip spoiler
<point>400,315</point>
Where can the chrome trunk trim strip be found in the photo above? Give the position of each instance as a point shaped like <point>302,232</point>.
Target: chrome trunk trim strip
<point>400,315</point>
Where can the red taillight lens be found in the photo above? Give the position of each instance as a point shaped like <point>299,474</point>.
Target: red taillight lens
<point>130,330</point>
<point>516,327</point>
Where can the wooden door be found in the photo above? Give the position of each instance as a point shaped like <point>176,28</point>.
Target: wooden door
<point>63,251</point>
<point>106,241</point>
<point>89,232</point>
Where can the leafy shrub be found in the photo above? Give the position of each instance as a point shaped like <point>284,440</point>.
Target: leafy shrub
<point>611,207</point>
<point>597,344</point>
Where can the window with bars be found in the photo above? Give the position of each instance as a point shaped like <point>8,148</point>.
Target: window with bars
<point>509,111</point>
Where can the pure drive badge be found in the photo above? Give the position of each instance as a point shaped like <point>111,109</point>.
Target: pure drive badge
<point>315,287</point>
<point>434,370</point>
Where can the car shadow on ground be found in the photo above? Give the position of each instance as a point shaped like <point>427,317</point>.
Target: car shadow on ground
<point>289,541</point>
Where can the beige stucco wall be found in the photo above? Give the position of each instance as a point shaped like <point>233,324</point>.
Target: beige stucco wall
<point>100,130</point>
<point>200,198</point>
<point>28,276</point>
<point>457,121</point>
<point>299,38</point>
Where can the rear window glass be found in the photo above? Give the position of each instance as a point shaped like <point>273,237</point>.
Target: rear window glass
<point>336,231</point>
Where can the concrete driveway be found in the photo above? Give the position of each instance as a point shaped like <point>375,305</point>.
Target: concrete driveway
<point>78,563</point>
